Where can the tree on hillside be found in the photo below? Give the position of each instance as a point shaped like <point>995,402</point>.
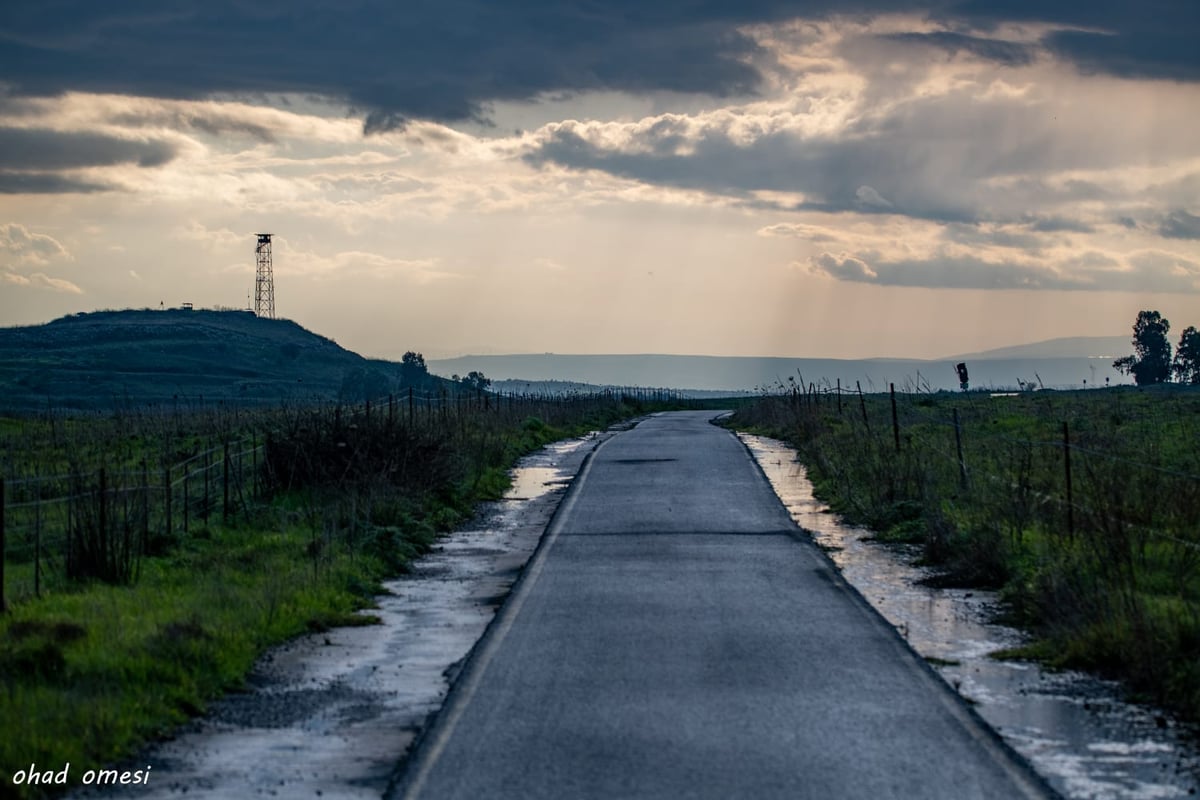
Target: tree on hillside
<point>413,371</point>
<point>475,381</point>
<point>1151,361</point>
<point>1187,357</point>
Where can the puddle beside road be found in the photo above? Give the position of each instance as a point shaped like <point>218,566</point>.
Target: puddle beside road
<point>1076,730</point>
<point>331,715</point>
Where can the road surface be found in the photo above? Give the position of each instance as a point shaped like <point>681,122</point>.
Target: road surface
<point>676,636</point>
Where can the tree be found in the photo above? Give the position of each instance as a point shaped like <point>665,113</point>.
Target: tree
<point>475,381</point>
<point>1187,357</point>
<point>413,371</point>
<point>1151,362</point>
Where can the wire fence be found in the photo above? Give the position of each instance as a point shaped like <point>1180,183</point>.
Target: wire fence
<point>62,522</point>
<point>1116,470</point>
<point>97,524</point>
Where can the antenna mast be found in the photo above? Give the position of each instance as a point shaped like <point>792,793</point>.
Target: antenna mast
<point>264,281</point>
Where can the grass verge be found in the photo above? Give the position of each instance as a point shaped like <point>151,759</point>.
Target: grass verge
<point>1081,508</point>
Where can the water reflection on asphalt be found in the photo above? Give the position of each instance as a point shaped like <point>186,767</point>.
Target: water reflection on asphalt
<point>1075,730</point>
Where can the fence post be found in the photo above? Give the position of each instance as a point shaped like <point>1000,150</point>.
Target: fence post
<point>37,546</point>
<point>839,395</point>
<point>3,605</point>
<point>862,402</point>
<point>104,513</point>
<point>204,505</point>
<point>1067,467</point>
<point>225,488</point>
<point>895,419</point>
<point>962,465</point>
<point>187,496</point>
<point>145,509</point>
<point>167,499</point>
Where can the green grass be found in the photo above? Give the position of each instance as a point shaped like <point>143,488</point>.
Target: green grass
<point>89,673</point>
<point>1109,582</point>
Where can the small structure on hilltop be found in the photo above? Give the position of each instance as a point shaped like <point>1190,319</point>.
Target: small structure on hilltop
<point>264,281</point>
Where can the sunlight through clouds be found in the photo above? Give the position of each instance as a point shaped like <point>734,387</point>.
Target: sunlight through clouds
<point>913,152</point>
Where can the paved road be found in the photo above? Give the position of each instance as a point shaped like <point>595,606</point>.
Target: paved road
<point>674,637</point>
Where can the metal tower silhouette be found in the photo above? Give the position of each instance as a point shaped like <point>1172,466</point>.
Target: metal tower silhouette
<point>264,282</point>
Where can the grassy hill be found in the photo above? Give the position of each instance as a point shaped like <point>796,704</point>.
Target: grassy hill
<point>106,358</point>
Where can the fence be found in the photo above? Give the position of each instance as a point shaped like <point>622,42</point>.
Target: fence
<point>98,524</point>
<point>1118,468</point>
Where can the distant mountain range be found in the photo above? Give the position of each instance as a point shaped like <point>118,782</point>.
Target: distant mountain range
<point>1057,363</point>
<point>1111,347</point>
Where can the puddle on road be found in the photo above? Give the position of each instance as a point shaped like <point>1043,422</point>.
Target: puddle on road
<point>1074,729</point>
<point>330,715</point>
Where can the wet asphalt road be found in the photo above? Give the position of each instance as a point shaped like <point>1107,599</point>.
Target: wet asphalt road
<point>675,637</point>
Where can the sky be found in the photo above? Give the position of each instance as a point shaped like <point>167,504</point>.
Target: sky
<point>852,179</point>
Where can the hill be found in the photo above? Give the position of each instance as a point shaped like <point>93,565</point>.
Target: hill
<point>106,358</point>
<point>1109,347</point>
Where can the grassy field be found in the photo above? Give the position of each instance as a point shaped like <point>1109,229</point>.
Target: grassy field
<point>1083,508</point>
<point>92,669</point>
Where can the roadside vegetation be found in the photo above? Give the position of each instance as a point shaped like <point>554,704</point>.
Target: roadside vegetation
<point>329,501</point>
<point>1082,508</point>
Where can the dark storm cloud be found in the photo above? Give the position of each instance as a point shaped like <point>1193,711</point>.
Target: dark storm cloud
<point>862,175</point>
<point>1180,224</point>
<point>1058,225</point>
<point>43,149</point>
<point>958,272</point>
<point>1013,54</point>
<point>45,183</point>
<point>1147,39</point>
<point>213,123</point>
<point>392,61</point>
<point>1146,271</point>
<point>446,60</point>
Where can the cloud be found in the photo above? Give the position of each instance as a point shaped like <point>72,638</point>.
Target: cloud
<point>845,268</point>
<point>869,198</point>
<point>21,248</point>
<point>1121,39</point>
<point>32,149</point>
<point>20,245</point>
<point>40,280</point>
<point>1145,271</point>
<point>1158,54</point>
<point>812,233</point>
<point>47,183</point>
<point>1179,224</point>
<point>396,62</point>
<point>1009,53</point>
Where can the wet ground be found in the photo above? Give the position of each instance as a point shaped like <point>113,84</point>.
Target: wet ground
<point>330,715</point>
<point>1076,730</point>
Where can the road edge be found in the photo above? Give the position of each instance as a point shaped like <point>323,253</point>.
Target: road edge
<point>1033,783</point>
<point>412,770</point>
